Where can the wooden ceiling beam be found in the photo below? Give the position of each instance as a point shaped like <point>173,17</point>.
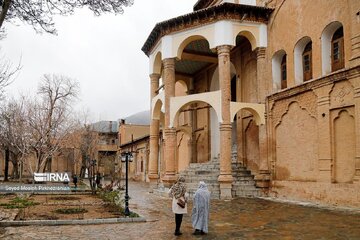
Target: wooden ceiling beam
<point>198,57</point>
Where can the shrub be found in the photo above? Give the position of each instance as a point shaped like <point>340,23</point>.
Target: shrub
<point>19,202</point>
<point>71,210</point>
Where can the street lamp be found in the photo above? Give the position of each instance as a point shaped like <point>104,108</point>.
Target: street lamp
<point>126,157</point>
<point>93,164</point>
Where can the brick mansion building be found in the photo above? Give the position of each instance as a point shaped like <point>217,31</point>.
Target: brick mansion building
<point>258,97</point>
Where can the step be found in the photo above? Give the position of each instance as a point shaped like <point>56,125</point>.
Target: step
<point>243,185</point>
<point>247,193</point>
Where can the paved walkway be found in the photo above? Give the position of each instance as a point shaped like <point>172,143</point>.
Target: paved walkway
<point>236,219</point>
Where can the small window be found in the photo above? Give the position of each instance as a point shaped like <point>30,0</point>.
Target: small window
<point>283,73</point>
<point>307,62</point>
<point>337,50</point>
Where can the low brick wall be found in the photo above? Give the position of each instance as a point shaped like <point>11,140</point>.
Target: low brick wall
<point>71,222</point>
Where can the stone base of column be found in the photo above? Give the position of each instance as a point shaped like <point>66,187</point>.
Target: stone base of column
<point>169,180</point>
<point>154,181</point>
<point>225,181</point>
<point>225,191</point>
<point>263,179</point>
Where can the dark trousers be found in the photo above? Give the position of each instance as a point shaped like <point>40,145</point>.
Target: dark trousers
<point>178,220</point>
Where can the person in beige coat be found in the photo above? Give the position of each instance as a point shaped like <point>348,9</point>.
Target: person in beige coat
<point>178,194</point>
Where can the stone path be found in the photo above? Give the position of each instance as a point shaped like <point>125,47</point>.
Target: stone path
<point>236,219</point>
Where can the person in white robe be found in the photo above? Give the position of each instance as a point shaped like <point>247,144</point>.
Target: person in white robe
<point>201,208</point>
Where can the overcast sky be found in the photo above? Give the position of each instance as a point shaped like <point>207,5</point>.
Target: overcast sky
<point>102,53</point>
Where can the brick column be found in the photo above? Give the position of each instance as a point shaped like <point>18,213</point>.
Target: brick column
<point>323,106</point>
<point>262,84</point>
<point>225,177</point>
<point>170,133</point>
<point>356,84</point>
<point>154,136</point>
<point>262,180</point>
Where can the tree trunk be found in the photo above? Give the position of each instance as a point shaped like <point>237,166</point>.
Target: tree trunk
<point>15,172</point>
<point>7,158</point>
<point>5,8</point>
<point>47,165</point>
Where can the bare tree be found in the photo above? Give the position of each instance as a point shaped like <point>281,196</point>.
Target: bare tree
<point>39,13</point>
<point>50,117</point>
<point>7,74</point>
<point>13,135</point>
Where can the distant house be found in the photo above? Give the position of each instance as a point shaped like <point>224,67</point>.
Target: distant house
<point>134,134</point>
<point>107,146</point>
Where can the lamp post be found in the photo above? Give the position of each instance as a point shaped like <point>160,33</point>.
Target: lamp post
<point>126,157</point>
<point>93,183</point>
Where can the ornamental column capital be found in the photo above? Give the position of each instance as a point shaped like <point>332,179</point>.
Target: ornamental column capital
<point>154,76</point>
<point>260,52</point>
<point>169,63</point>
<point>223,49</point>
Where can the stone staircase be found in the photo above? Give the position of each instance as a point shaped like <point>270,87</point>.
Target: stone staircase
<point>243,185</point>
<point>207,172</point>
<point>244,182</point>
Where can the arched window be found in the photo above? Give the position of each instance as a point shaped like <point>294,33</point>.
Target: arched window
<point>337,50</point>
<point>307,62</point>
<point>283,73</point>
<point>279,73</point>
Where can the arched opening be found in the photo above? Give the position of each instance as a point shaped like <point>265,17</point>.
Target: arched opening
<point>248,153</point>
<point>184,46</point>
<point>250,38</point>
<point>279,70</point>
<point>244,81</point>
<point>303,60</point>
<point>157,110</point>
<point>157,64</point>
<point>196,61</point>
<point>181,90</point>
<point>199,134</point>
<point>214,121</point>
<point>328,40</point>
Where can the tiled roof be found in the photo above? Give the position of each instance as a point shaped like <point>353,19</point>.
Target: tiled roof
<point>105,127</point>
<point>200,4</point>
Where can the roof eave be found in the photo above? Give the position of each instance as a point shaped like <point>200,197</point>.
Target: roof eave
<point>260,14</point>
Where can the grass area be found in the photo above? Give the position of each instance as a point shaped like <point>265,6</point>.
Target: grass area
<point>64,198</point>
<point>71,210</point>
<point>19,202</point>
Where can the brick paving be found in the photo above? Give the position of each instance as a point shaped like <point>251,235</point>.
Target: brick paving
<point>237,219</point>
